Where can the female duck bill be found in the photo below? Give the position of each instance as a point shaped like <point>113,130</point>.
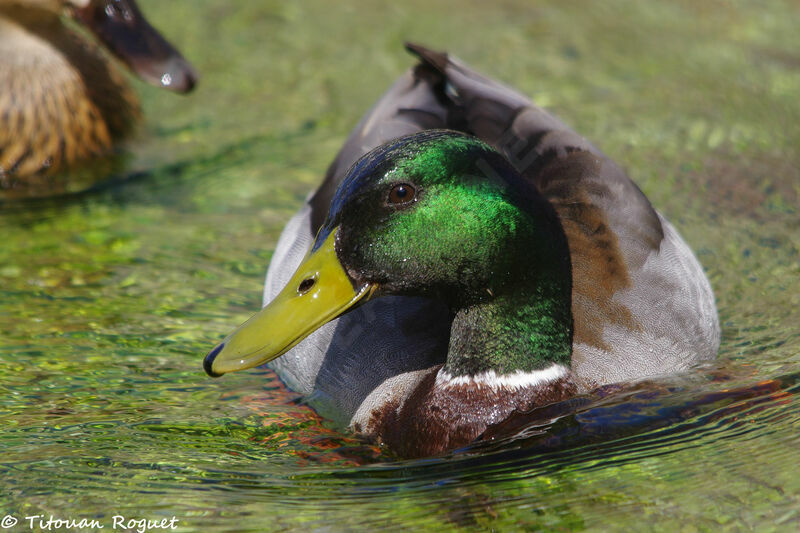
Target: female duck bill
<point>120,25</point>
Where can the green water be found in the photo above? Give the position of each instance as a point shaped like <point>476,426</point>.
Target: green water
<point>109,300</point>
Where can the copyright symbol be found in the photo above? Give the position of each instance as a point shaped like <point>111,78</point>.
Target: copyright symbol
<point>8,521</point>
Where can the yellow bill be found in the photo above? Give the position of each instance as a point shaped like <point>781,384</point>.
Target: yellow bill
<point>318,292</point>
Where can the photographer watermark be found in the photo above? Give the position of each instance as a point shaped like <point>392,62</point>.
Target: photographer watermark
<point>40,522</point>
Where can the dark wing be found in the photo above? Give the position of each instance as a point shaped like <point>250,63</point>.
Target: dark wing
<point>611,227</point>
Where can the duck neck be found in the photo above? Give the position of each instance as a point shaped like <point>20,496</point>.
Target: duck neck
<point>526,329</point>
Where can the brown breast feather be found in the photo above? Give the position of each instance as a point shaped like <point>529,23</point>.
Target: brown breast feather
<point>435,419</point>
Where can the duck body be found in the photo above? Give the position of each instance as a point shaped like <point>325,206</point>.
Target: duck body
<point>599,289</point>
<point>62,102</point>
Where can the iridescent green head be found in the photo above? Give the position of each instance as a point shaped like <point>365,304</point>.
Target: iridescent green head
<point>439,214</point>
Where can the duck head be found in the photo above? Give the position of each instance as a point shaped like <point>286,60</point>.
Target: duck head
<point>124,31</point>
<point>120,25</point>
<point>437,214</point>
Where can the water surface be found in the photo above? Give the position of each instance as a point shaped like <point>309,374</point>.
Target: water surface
<point>110,299</point>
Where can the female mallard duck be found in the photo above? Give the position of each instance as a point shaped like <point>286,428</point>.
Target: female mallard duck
<point>61,102</point>
<point>455,278</point>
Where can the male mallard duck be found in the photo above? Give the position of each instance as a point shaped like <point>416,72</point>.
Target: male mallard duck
<point>458,276</point>
<point>61,102</point>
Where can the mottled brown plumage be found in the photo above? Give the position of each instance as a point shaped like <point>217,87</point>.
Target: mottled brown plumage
<point>62,101</point>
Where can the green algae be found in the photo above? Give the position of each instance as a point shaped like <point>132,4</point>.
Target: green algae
<point>109,299</point>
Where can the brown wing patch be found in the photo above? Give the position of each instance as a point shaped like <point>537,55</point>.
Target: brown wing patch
<point>598,266</point>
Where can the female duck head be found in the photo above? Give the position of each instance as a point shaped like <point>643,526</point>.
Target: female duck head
<point>440,214</point>
<point>63,101</point>
<point>120,26</point>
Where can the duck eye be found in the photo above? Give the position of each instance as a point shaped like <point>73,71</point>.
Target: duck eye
<point>401,194</point>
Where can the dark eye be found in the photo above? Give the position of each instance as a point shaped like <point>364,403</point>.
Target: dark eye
<point>401,194</point>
